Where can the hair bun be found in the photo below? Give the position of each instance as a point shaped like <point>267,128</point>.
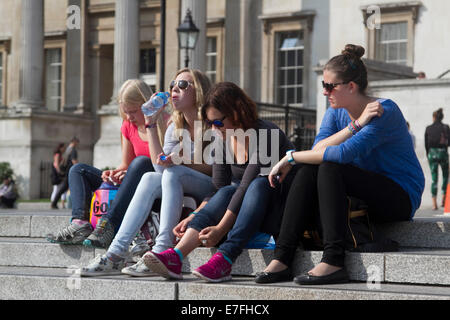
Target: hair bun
<point>354,51</point>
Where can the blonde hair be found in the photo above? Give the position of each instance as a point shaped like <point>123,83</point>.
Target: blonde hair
<point>202,85</point>
<point>136,91</point>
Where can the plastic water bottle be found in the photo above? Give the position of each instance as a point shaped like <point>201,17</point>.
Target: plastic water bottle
<point>154,104</point>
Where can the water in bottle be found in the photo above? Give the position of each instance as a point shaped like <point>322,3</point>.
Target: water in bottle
<point>155,103</point>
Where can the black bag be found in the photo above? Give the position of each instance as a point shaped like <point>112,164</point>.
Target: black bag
<point>361,235</point>
<point>55,177</point>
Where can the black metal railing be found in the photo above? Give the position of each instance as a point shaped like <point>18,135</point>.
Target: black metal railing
<point>46,182</point>
<point>299,124</point>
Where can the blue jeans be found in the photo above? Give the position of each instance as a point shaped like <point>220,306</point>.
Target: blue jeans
<point>249,220</point>
<point>85,179</point>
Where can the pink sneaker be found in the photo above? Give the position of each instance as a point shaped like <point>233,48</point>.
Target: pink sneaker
<point>217,269</point>
<point>166,263</point>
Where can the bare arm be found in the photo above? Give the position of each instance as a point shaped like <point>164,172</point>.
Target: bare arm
<point>127,156</point>
<point>283,167</point>
<point>212,235</point>
<point>334,140</point>
<point>57,161</point>
<point>154,145</point>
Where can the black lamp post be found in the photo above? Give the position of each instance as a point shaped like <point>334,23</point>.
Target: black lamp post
<point>187,36</point>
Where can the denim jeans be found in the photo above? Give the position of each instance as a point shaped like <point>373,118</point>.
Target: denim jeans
<point>170,186</point>
<point>249,219</point>
<point>85,179</point>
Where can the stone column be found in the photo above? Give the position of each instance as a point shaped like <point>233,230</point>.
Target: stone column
<point>126,66</point>
<point>32,55</point>
<point>126,43</point>
<point>232,41</point>
<point>197,57</point>
<point>249,53</point>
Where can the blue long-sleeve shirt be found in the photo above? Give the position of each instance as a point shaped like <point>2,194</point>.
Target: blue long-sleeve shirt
<point>383,146</point>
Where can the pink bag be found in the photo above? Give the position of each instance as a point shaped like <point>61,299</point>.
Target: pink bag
<point>101,202</point>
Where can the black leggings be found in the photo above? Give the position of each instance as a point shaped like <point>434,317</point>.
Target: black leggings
<point>322,190</point>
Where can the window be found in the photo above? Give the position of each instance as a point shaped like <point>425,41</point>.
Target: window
<point>1,78</point>
<point>289,67</point>
<point>286,58</point>
<point>53,79</point>
<point>391,42</point>
<point>147,62</point>
<point>211,58</point>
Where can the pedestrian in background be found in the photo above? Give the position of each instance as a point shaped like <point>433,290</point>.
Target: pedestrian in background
<point>436,145</point>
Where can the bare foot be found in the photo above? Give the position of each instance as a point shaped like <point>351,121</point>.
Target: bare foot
<point>275,266</point>
<point>323,269</point>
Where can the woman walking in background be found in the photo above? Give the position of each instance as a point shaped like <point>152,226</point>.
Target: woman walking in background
<point>436,145</point>
<point>56,174</point>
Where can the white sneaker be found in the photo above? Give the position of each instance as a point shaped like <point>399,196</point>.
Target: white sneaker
<point>139,247</point>
<point>139,269</point>
<point>102,266</point>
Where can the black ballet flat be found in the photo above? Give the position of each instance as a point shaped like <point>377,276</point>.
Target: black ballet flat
<point>272,277</point>
<point>340,276</point>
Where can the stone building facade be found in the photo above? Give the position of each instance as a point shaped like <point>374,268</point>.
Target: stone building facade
<point>62,62</point>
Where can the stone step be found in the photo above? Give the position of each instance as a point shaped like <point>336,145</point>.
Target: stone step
<point>55,283</point>
<point>417,266</point>
<point>34,205</point>
<point>422,232</point>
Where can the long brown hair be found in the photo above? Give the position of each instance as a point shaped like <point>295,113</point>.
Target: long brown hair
<point>233,103</point>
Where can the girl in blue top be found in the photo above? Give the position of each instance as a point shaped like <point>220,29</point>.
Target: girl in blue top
<point>363,150</point>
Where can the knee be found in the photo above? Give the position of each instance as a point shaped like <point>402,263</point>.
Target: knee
<point>141,163</point>
<point>307,173</point>
<point>78,168</point>
<point>259,184</point>
<point>172,172</point>
<point>328,169</point>
<point>150,178</point>
<point>227,191</point>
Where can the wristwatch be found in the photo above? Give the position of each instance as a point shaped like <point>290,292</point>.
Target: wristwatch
<point>290,157</point>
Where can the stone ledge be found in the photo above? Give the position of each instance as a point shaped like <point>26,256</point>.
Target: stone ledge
<point>49,284</point>
<point>401,267</point>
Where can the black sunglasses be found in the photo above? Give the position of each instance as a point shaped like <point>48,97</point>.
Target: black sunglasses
<point>218,122</point>
<point>330,86</point>
<point>182,84</point>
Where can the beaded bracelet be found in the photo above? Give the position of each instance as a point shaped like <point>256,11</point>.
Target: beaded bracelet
<point>354,127</point>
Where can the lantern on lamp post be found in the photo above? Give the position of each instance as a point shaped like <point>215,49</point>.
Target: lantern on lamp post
<point>187,36</point>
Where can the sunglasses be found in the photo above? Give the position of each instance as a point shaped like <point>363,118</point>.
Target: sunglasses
<point>330,86</point>
<point>217,123</point>
<point>182,84</point>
